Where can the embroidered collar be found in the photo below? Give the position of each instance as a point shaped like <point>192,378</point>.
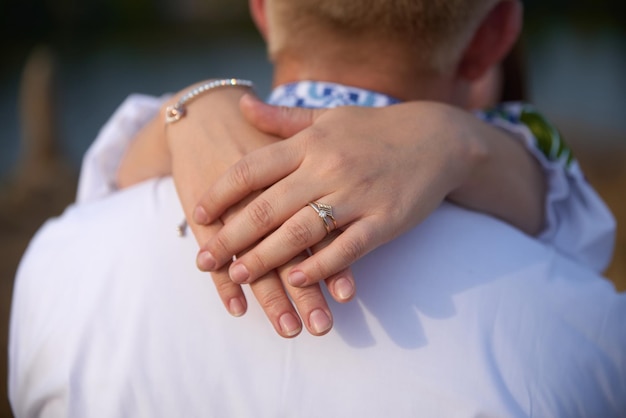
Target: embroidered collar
<point>322,94</point>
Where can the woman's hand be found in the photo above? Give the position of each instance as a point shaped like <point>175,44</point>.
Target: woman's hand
<point>382,171</point>
<point>197,149</point>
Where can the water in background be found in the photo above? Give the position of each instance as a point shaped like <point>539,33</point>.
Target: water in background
<point>93,83</point>
<point>574,77</point>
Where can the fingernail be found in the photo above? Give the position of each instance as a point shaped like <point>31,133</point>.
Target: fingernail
<point>200,216</point>
<point>344,288</point>
<point>236,307</point>
<point>239,273</point>
<point>206,261</point>
<point>289,325</point>
<point>320,322</point>
<point>296,278</point>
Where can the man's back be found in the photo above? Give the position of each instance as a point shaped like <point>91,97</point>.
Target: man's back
<point>462,316</point>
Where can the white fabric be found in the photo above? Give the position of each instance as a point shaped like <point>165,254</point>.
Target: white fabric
<point>461,317</point>
<point>102,159</point>
<point>578,223</point>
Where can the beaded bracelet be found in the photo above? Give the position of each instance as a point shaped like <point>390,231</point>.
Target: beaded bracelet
<point>177,111</point>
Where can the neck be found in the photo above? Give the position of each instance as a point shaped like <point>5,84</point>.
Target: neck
<point>390,69</point>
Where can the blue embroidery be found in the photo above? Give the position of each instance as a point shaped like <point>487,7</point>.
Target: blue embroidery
<point>369,100</point>
<point>318,94</point>
<point>290,88</point>
<point>313,92</point>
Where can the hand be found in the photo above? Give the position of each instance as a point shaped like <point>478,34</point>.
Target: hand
<point>382,170</point>
<point>367,163</point>
<point>197,149</point>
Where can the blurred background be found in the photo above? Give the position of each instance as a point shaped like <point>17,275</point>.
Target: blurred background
<point>67,64</point>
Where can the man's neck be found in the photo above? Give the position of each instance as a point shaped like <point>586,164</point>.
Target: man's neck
<point>386,70</point>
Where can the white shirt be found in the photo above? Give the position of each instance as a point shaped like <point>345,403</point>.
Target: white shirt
<point>462,316</point>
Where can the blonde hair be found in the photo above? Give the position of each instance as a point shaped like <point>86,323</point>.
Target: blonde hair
<point>436,29</point>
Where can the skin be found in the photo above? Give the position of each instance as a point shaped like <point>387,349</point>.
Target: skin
<point>203,148</point>
<point>454,161</point>
<point>347,152</point>
<point>466,166</point>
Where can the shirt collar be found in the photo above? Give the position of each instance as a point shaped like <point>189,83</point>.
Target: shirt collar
<point>322,94</point>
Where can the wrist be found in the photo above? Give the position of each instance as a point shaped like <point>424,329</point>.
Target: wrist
<point>147,156</point>
<point>196,97</point>
<point>468,151</point>
<point>506,181</point>
<point>477,155</point>
<point>208,113</point>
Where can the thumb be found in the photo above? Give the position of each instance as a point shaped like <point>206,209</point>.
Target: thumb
<point>281,121</point>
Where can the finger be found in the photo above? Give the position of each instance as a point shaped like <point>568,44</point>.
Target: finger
<point>230,293</point>
<point>255,171</point>
<point>301,231</point>
<point>271,295</point>
<point>353,243</point>
<point>274,208</point>
<point>309,301</point>
<point>342,285</point>
<point>281,121</point>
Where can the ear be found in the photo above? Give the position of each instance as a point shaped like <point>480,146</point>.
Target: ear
<point>492,41</point>
<point>257,10</point>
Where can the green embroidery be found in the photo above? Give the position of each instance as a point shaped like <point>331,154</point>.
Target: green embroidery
<point>549,140</point>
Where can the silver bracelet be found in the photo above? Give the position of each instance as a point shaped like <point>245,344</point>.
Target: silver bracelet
<point>177,111</point>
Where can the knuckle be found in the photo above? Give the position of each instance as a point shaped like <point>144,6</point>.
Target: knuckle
<point>209,202</point>
<point>256,263</point>
<point>272,299</point>
<point>320,269</point>
<point>241,174</point>
<point>297,235</point>
<point>340,159</point>
<point>315,134</point>
<point>219,246</point>
<point>305,298</point>
<point>352,249</point>
<point>335,162</point>
<point>224,286</point>
<point>261,213</point>
<point>327,240</point>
